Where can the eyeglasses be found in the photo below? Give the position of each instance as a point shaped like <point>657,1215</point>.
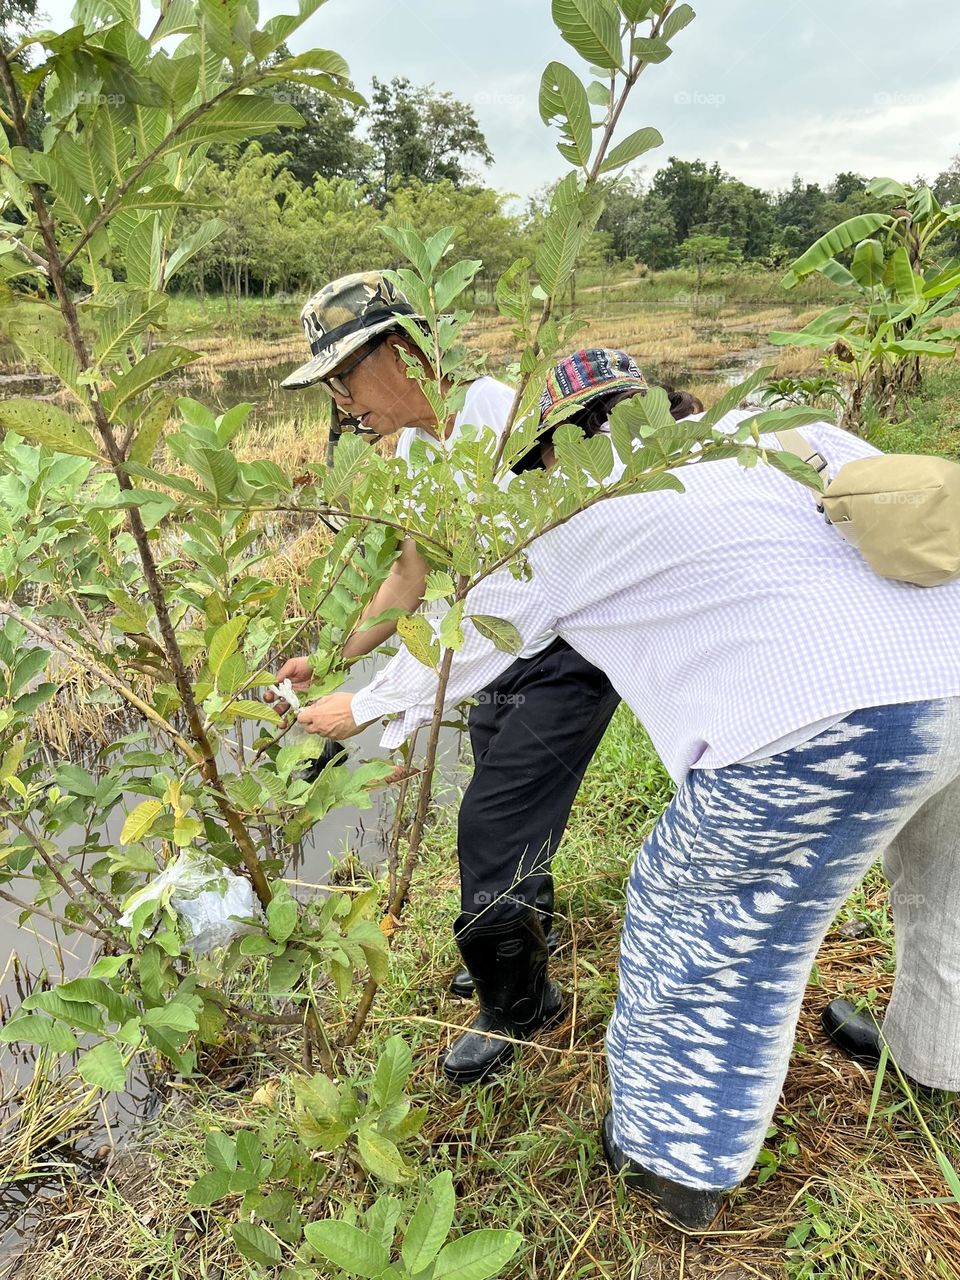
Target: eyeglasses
<point>335,382</point>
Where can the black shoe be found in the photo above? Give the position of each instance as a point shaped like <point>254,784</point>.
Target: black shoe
<point>334,752</point>
<point>461,984</point>
<point>693,1208</point>
<point>856,1033</point>
<point>508,962</point>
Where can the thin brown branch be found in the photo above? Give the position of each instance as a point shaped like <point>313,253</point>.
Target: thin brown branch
<point>32,909</point>
<point>362,517</point>
<point>313,1033</point>
<point>399,898</point>
<point>84,659</point>
<point>267,1019</point>
<point>39,262</point>
<point>393,852</point>
<point>38,845</point>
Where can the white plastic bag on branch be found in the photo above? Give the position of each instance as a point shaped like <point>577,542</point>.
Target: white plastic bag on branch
<point>213,904</point>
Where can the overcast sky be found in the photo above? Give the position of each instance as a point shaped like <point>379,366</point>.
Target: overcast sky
<point>768,88</point>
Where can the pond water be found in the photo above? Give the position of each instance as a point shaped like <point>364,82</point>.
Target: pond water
<point>259,384</point>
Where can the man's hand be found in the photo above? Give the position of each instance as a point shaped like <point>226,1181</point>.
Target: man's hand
<point>331,717</point>
<point>300,675</point>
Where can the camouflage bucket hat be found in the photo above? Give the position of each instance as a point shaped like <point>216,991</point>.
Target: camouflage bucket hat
<point>343,316</point>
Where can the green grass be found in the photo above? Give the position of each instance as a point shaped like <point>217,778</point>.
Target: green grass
<point>929,421</point>
<point>264,318</point>
<point>618,287</point>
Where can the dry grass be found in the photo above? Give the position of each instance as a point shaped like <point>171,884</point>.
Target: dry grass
<point>72,725</point>
<point>228,351</point>
<point>671,335</point>
<point>669,341</point>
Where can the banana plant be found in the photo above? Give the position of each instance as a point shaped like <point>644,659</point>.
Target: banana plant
<point>901,299</point>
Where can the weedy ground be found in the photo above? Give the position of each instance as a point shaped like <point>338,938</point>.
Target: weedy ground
<point>848,1186</point>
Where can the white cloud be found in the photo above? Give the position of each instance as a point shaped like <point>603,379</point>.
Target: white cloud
<point>771,89</point>
<point>899,134</point>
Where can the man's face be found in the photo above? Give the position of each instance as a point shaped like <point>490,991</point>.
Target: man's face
<point>381,396</point>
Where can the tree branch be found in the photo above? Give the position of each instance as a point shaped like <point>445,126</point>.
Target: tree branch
<point>75,654</point>
<point>32,909</point>
<point>110,208</point>
<point>39,262</point>
<point>636,68</point>
<point>399,898</point>
<point>37,844</point>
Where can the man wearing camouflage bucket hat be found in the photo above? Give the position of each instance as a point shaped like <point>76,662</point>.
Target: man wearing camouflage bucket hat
<point>533,731</point>
<point>343,317</point>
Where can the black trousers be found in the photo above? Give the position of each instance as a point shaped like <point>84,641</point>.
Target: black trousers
<point>534,730</point>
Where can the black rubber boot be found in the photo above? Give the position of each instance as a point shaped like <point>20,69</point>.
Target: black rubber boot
<point>332,751</point>
<point>856,1033</point>
<point>692,1208</point>
<point>508,962</point>
<point>461,984</point>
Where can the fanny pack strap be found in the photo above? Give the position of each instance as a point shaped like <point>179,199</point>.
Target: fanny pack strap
<point>794,442</point>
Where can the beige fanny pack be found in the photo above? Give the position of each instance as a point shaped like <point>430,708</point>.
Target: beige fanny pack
<point>900,510</point>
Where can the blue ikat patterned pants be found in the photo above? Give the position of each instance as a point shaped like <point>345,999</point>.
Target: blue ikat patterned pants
<point>727,903</point>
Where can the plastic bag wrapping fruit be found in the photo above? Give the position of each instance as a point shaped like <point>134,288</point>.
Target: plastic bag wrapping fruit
<point>213,904</point>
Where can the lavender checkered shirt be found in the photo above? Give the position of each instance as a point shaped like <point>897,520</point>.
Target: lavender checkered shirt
<point>728,617</point>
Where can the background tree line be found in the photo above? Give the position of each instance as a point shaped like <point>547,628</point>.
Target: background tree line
<point>305,204</point>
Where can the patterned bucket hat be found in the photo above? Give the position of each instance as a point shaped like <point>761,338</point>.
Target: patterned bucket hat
<point>583,376</point>
<point>343,316</point>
